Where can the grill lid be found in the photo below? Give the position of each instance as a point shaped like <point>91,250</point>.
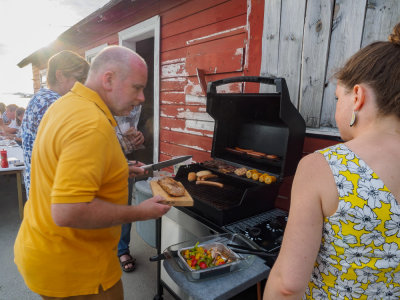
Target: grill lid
<point>266,123</point>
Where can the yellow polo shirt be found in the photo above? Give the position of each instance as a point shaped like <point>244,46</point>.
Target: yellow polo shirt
<point>76,157</point>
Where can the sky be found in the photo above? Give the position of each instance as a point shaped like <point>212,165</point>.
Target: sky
<point>28,25</point>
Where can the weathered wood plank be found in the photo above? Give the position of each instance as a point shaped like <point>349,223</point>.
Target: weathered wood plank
<point>172,124</point>
<point>380,19</point>
<point>253,53</point>
<point>195,127</point>
<point>317,29</point>
<point>169,149</point>
<point>173,84</point>
<point>205,16</point>
<point>346,36</point>
<point>270,42</point>
<point>173,70</point>
<point>188,112</point>
<point>172,97</point>
<point>204,127</point>
<point>184,39</point>
<point>186,9</point>
<point>172,54</point>
<point>176,67</point>
<point>216,60</point>
<point>198,142</point>
<point>290,45</point>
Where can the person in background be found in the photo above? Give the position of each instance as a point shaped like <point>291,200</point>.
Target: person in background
<point>130,139</point>
<point>2,109</point>
<point>67,243</point>
<point>9,117</point>
<point>63,70</point>
<point>19,117</point>
<point>342,236</point>
<point>16,136</point>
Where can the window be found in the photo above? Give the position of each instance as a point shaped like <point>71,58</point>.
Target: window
<point>91,53</point>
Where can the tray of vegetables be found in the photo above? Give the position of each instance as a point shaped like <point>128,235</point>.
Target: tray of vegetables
<point>207,256</point>
<point>208,259</point>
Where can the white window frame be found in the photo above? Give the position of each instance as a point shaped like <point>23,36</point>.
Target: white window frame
<point>147,29</point>
<point>43,75</point>
<point>89,54</point>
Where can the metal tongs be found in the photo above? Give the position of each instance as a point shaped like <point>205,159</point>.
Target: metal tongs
<point>248,250</point>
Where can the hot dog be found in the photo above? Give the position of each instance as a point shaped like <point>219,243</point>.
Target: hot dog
<point>210,183</point>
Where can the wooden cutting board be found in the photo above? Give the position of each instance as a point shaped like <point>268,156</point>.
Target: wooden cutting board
<point>185,200</point>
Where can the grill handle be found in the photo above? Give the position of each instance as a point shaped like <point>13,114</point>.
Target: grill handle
<point>212,85</point>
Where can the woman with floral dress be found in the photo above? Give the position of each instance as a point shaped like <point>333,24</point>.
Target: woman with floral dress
<point>342,236</point>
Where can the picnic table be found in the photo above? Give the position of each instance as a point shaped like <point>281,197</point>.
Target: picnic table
<point>15,156</point>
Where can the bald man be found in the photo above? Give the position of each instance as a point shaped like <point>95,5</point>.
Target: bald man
<point>67,242</point>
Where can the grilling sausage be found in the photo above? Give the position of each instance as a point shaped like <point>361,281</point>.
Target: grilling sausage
<point>210,183</point>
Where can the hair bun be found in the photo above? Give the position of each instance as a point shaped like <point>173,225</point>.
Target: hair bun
<point>394,37</point>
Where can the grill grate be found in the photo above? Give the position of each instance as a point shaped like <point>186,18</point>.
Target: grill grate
<point>227,197</point>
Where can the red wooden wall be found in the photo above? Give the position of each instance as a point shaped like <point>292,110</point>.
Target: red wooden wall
<point>212,36</point>
<point>222,38</point>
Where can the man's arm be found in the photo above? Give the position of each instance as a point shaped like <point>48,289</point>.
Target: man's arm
<point>101,214</point>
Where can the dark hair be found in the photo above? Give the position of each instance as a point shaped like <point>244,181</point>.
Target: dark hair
<point>377,65</point>
<point>19,112</point>
<point>68,62</point>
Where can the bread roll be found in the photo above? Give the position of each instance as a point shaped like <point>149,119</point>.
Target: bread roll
<point>192,176</point>
<point>203,173</point>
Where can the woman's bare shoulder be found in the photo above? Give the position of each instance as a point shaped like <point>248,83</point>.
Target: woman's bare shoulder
<point>314,180</point>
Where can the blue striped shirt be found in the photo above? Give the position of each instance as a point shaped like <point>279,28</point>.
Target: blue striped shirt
<point>35,110</point>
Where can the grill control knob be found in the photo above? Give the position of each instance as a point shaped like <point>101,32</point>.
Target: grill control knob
<point>254,231</point>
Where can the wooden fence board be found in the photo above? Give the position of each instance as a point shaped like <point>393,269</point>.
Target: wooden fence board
<point>346,36</point>
<point>317,31</point>
<point>380,19</point>
<point>270,42</point>
<point>290,45</point>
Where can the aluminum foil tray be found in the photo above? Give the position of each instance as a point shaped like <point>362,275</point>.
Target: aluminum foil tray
<point>227,254</point>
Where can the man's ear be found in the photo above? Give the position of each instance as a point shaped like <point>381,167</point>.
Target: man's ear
<point>359,93</point>
<point>108,80</point>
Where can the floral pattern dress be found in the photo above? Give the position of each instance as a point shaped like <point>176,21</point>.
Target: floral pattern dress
<point>359,255</point>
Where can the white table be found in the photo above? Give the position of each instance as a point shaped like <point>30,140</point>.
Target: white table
<point>14,153</point>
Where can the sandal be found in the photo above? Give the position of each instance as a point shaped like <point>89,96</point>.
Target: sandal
<point>124,264</point>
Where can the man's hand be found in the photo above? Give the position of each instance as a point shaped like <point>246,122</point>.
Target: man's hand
<point>135,168</point>
<point>152,208</point>
<point>135,136</point>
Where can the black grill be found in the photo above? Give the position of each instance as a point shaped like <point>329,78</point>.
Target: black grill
<point>267,123</point>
